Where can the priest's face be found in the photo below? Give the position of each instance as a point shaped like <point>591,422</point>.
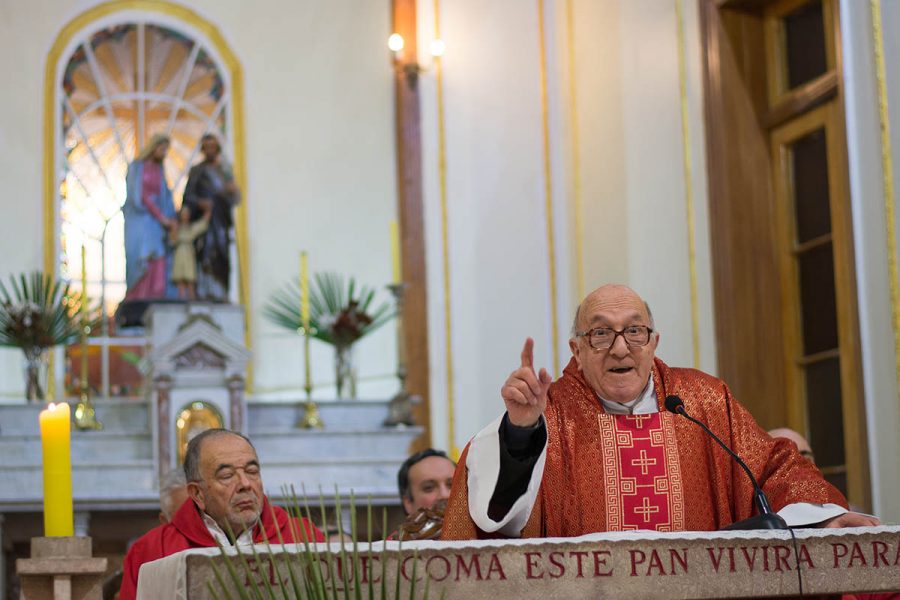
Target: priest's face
<point>231,490</point>
<point>620,372</point>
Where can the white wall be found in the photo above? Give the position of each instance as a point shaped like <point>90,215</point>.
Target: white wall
<point>321,177</point>
<point>630,150</point>
<point>320,155</point>
<point>870,236</point>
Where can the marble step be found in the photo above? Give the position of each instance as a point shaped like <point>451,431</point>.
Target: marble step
<point>338,415</point>
<point>134,415</point>
<point>93,481</point>
<point>301,444</point>
<point>95,447</point>
<point>116,416</point>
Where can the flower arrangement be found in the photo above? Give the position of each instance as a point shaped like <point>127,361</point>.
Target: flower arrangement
<point>37,312</point>
<point>340,314</point>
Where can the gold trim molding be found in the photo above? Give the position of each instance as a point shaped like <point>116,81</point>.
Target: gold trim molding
<point>445,237</point>
<point>887,170</point>
<point>576,149</point>
<point>688,180</point>
<point>548,190</point>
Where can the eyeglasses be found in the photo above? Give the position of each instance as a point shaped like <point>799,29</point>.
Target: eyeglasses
<point>602,338</point>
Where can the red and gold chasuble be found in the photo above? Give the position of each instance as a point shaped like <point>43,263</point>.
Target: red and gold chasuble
<point>641,473</point>
<point>608,472</point>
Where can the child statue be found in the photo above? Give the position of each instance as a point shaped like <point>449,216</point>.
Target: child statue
<point>184,262</point>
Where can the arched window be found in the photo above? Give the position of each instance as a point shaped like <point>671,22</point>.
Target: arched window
<point>121,79</point>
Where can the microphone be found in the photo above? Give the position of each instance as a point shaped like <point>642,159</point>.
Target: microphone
<point>766,519</point>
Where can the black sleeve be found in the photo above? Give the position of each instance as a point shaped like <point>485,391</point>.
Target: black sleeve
<point>520,448</point>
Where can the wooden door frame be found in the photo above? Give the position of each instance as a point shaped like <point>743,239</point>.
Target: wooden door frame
<point>746,293</point>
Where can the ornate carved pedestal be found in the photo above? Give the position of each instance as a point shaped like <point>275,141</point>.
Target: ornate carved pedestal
<point>197,366</point>
<point>61,568</point>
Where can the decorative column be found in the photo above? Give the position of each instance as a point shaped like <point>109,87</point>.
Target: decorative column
<point>236,404</point>
<point>163,385</point>
<point>61,568</point>
<point>400,407</point>
<point>82,523</point>
<point>2,559</point>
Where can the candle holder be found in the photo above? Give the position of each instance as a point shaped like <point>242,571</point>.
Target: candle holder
<point>61,567</point>
<point>400,407</point>
<point>85,418</point>
<point>311,418</point>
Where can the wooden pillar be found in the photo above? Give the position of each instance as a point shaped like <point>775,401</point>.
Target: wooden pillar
<point>411,217</point>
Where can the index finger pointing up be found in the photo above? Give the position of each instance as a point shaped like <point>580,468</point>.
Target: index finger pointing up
<point>528,354</point>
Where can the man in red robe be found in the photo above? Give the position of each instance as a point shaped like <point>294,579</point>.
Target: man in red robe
<point>227,505</point>
<point>594,451</point>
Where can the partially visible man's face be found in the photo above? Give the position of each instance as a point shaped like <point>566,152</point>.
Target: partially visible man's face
<point>177,496</point>
<point>620,372</point>
<point>802,445</point>
<point>231,490</point>
<point>210,148</point>
<point>429,481</point>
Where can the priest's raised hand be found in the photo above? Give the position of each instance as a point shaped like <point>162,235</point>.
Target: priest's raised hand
<point>525,391</point>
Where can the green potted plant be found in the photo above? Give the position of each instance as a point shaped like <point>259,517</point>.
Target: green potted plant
<point>37,312</point>
<point>340,314</point>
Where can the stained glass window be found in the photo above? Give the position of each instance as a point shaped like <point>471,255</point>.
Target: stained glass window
<point>121,85</point>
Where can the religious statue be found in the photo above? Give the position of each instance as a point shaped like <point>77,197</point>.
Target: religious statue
<point>149,215</point>
<point>212,181</point>
<point>184,263</point>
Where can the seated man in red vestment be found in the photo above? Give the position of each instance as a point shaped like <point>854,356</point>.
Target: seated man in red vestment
<point>594,451</point>
<point>226,504</point>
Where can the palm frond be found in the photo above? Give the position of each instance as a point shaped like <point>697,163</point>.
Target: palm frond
<point>38,312</point>
<point>339,309</point>
<point>307,570</point>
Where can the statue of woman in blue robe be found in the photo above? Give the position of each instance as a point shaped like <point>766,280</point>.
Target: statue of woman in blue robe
<point>149,217</point>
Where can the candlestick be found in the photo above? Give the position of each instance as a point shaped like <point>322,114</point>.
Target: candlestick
<point>85,417</point>
<point>400,406</point>
<point>395,253</point>
<point>85,326</point>
<point>55,433</point>
<point>304,290</point>
<point>311,418</point>
<point>304,319</point>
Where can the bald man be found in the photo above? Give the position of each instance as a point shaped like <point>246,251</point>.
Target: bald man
<point>803,446</point>
<point>596,451</point>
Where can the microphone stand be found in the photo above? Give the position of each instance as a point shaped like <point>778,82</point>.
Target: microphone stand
<point>767,518</point>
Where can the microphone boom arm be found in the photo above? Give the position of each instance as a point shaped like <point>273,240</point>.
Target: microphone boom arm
<point>767,518</point>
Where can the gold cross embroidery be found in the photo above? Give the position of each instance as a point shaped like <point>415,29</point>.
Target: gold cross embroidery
<point>639,420</point>
<point>646,510</point>
<point>643,462</point>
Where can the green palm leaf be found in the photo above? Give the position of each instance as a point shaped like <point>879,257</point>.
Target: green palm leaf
<point>339,311</point>
<point>38,312</point>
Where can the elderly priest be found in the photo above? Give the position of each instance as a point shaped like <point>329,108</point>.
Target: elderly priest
<point>227,506</point>
<point>595,451</point>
